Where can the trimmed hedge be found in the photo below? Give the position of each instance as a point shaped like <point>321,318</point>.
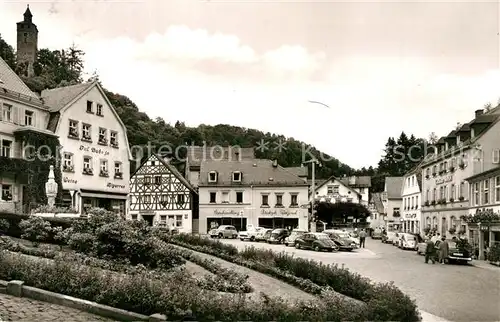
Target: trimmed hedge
<point>176,297</point>
<point>385,301</point>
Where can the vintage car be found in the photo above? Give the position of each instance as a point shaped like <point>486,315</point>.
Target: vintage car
<point>250,233</point>
<point>290,240</point>
<point>389,237</point>
<point>315,241</point>
<point>377,233</point>
<point>278,236</point>
<point>263,235</point>
<point>454,253</point>
<point>421,247</point>
<point>341,239</point>
<point>224,231</point>
<point>407,241</point>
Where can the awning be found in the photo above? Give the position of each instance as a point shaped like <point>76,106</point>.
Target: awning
<point>103,195</point>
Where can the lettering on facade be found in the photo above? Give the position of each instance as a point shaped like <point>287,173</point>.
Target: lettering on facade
<point>445,179</point>
<point>115,186</point>
<point>410,216</point>
<point>94,150</point>
<point>68,180</point>
<point>226,212</point>
<point>280,212</point>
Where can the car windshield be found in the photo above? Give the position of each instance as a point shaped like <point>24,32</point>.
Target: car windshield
<point>322,236</point>
<point>343,235</point>
<point>297,233</point>
<point>452,244</point>
<point>410,237</point>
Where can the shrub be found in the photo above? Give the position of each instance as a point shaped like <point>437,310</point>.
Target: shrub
<point>174,295</point>
<point>35,229</point>
<point>494,254</point>
<point>314,276</point>
<point>4,226</point>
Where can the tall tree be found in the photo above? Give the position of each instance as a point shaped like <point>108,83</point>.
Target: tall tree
<point>7,53</point>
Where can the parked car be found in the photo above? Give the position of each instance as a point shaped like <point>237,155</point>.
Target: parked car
<point>389,237</point>
<point>250,233</point>
<point>341,239</point>
<point>407,241</point>
<point>377,233</point>
<point>263,235</point>
<point>421,248</point>
<point>395,240</point>
<point>315,241</point>
<point>454,253</point>
<point>224,231</point>
<point>290,240</point>
<point>278,236</point>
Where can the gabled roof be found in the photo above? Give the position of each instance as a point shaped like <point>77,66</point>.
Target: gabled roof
<point>357,182</point>
<point>195,155</point>
<point>58,98</point>
<point>257,172</point>
<point>393,187</point>
<point>317,182</point>
<point>333,178</point>
<point>298,171</point>
<point>10,82</point>
<point>170,168</point>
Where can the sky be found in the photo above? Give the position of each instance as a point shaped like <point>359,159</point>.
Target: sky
<point>381,67</point>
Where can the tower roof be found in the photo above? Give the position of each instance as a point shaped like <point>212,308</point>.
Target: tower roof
<point>27,14</point>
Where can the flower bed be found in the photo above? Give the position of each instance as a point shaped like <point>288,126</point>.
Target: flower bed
<point>385,301</point>
<point>178,299</point>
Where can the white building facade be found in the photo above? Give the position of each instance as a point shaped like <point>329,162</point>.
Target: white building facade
<point>411,204</point>
<point>338,190</point>
<point>95,153</point>
<point>257,192</point>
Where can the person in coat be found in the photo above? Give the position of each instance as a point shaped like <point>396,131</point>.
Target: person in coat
<point>444,248</point>
<point>429,251</point>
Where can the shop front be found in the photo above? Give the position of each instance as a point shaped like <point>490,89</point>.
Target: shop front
<point>411,224</point>
<point>116,202</point>
<point>212,218</point>
<point>290,218</point>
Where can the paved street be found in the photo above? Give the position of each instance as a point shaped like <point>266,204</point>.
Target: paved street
<point>452,292</point>
<point>23,309</point>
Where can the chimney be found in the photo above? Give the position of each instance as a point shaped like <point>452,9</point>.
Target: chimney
<point>479,112</point>
<point>275,163</point>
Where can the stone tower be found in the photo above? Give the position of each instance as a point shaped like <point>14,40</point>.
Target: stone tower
<point>27,43</point>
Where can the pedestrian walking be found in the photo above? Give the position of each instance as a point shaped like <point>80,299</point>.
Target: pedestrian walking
<point>444,248</point>
<point>362,238</point>
<point>429,252</point>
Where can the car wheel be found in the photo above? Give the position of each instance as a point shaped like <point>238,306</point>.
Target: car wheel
<point>220,235</point>
<point>241,239</point>
<point>316,248</point>
<point>286,244</point>
<point>252,238</point>
<point>297,245</point>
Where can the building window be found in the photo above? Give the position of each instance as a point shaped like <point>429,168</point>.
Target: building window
<point>239,196</point>
<point>113,139</point>
<point>405,205</point>
<point>445,166</point>
<point>178,220</point>
<point>213,197</point>
<point>497,189</point>
<point>348,200</point>
<point>103,137</point>
<point>279,200</point>
<point>434,194</point>
<point>428,172</point>
<point>134,217</point>
<point>441,193</point>
<point>86,135</point>
<point>336,189</point>
<point>427,195</point>
<point>89,106</point>
<point>25,37</point>
<point>118,170</point>
<point>153,163</point>
<point>212,176</point>
<point>147,199</point>
<point>476,194</point>
<point>73,129</point>
<point>6,192</point>
<point>163,219</point>
<point>453,192</point>
<point>7,113</point>
<point>486,192</point>
<point>329,190</point>
<point>416,202</point>
<point>434,169</point>
<point>462,189</point>
<point>99,109</point>
<point>237,176</point>
<point>147,180</point>
<point>28,118</point>
<point>225,196</point>
<point>181,200</point>
<point>453,163</point>
<point>6,148</point>
<point>294,200</point>
<point>157,180</point>
<point>496,156</point>
<point>265,200</point>
<point>68,162</point>
<point>87,165</point>
<point>104,168</point>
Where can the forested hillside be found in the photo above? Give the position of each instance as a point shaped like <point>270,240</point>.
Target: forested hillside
<point>65,67</point>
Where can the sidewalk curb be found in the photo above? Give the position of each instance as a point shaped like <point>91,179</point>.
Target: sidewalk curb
<point>427,317</point>
<point>17,288</point>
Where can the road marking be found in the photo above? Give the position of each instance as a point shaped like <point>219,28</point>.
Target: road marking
<point>427,317</point>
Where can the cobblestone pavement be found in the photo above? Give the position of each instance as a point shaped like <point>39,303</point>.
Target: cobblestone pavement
<point>451,292</point>
<point>23,309</point>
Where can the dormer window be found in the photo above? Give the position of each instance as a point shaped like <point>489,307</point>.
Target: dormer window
<point>212,176</point>
<point>236,176</point>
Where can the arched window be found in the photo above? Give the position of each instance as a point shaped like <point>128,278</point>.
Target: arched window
<point>428,222</point>
<point>434,222</point>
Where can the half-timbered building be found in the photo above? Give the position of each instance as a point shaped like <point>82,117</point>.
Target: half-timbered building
<point>160,195</point>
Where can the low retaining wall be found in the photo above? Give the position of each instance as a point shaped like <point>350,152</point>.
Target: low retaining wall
<point>17,288</point>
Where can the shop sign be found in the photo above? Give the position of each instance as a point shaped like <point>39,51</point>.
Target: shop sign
<point>279,212</point>
<point>445,179</point>
<point>69,180</point>
<point>226,212</point>
<point>409,216</point>
<point>115,186</point>
<point>94,150</point>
